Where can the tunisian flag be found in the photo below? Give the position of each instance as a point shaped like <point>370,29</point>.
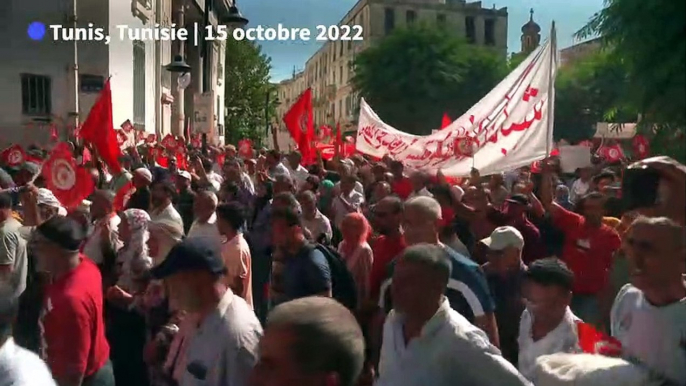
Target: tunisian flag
<point>69,182</point>
<point>299,122</point>
<point>98,130</point>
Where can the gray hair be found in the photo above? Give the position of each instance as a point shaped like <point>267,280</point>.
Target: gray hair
<point>433,257</point>
<point>210,196</point>
<point>307,194</point>
<point>676,232</point>
<point>327,336</point>
<point>427,206</point>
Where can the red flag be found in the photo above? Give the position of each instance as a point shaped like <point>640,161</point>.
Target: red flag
<point>299,122</point>
<point>169,142</point>
<point>98,130</point>
<point>326,150</point>
<point>592,341</point>
<point>121,138</point>
<point>13,156</point>
<point>181,160</point>
<point>612,153</point>
<point>123,195</point>
<point>446,121</point>
<point>220,159</point>
<point>641,146</point>
<point>325,134</point>
<point>245,148</point>
<point>69,182</point>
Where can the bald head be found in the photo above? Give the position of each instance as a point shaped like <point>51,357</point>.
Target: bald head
<point>427,207</point>
<point>204,205</point>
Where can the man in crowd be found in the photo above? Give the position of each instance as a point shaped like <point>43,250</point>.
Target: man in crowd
<point>589,248</point>
<point>313,220</point>
<point>467,290</point>
<point>505,272</point>
<point>427,342</point>
<point>235,250</point>
<point>310,341</point>
<point>13,258</point>
<point>141,198</point>
<point>648,315</point>
<point>185,201</point>
<point>223,349</point>
<point>297,172</point>
<point>205,224</point>
<point>162,194</point>
<point>547,325</point>
<point>73,342</point>
<point>274,165</point>
<point>299,269</point>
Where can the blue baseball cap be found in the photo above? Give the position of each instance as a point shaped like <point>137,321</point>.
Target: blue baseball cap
<point>195,254</point>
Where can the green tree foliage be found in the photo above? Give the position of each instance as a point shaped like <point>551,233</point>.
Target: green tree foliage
<point>587,91</point>
<point>247,84</point>
<point>649,37</point>
<point>414,75</point>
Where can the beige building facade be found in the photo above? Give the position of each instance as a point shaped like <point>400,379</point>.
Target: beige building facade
<point>329,71</point>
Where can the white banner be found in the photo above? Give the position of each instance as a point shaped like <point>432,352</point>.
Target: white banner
<point>574,157</point>
<point>512,126</point>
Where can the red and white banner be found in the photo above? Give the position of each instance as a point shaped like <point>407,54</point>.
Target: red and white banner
<point>512,126</point>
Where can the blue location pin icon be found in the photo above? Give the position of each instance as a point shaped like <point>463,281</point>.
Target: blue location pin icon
<point>36,30</point>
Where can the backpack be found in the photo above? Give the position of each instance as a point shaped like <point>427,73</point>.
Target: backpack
<point>343,286</point>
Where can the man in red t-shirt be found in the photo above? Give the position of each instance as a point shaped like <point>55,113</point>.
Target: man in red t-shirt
<point>73,339</point>
<point>401,185</point>
<point>588,249</point>
<point>387,215</point>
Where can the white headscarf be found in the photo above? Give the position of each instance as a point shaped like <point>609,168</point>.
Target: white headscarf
<point>47,198</point>
<point>134,255</point>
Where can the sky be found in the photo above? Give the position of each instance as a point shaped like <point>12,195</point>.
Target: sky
<point>569,16</point>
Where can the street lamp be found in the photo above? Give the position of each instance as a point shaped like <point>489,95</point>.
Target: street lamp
<point>178,65</point>
<point>234,19</point>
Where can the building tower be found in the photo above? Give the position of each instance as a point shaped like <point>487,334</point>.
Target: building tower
<point>531,34</point>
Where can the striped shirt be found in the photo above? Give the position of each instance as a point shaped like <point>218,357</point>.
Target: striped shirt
<point>467,289</point>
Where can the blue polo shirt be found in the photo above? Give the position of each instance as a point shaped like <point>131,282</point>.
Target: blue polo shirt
<point>467,288</point>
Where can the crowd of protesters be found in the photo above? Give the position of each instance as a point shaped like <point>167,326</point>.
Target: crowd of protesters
<point>266,272</point>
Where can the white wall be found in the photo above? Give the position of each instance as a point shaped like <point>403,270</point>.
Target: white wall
<point>121,67</point>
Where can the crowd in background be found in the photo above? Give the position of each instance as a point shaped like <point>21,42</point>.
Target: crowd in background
<point>265,271</point>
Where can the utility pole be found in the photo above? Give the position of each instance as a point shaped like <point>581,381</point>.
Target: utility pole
<point>75,112</point>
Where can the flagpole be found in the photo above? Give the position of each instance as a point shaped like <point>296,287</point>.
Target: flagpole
<point>75,112</point>
<point>551,89</point>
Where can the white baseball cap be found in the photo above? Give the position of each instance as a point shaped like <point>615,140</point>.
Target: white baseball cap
<point>503,237</point>
<point>184,174</point>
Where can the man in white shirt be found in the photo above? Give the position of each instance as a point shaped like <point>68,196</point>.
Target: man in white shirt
<point>205,224</point>
<point>348,201</point>
<point>104,238</point>
<point>649,315</point>
<point>298,172</point>
<point>223,349</point>
<point>13,258</point>
<point>274,165</point>
<point>580,186</point>
<point>548,325</point>
<point>162,208</point>
<point>314,221</point>
<point>425,341</point>
<point>419,181</point>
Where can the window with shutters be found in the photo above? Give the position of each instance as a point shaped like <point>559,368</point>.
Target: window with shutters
<point>410,16</point>
<point>470,29</point>
<point>489,32</point>
<point>139,83</point>
<point>36,94</point>
<point>389,20</point>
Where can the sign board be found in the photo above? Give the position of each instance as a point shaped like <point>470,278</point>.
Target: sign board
<point>574,157</point>
<point>203,114</point>
<point>615,130</point>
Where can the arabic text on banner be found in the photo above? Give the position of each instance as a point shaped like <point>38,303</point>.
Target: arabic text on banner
<point>510,127</point>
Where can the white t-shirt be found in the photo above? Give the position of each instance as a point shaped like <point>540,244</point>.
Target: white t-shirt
<point>299,175</point>
<point>319,225</point>
<point>206,230</point>
<point>563,338</point>
<point>579,188</point>
<point>21,367</point>
<point>653,336</point>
